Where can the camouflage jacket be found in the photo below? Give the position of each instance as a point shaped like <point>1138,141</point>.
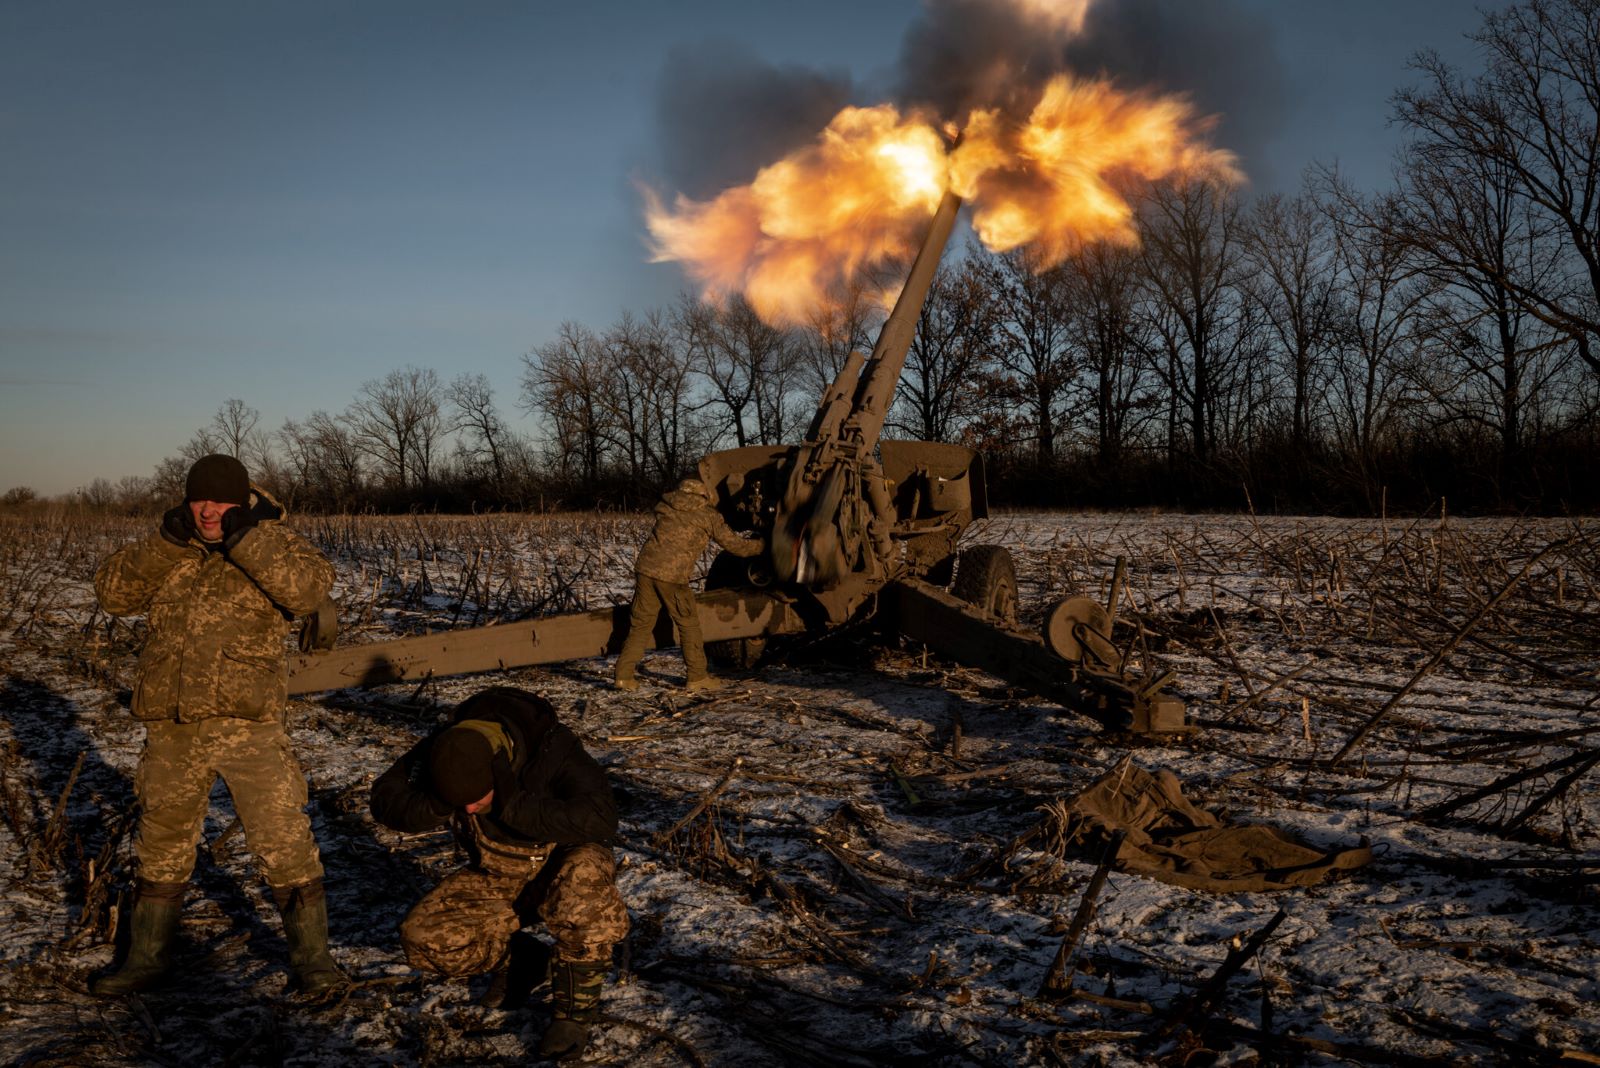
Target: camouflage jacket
<point>685,522</point>
<point>548,789</point>
<point>217,622</point>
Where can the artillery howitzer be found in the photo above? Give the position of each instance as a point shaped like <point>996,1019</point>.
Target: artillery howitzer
<point>850,538</point>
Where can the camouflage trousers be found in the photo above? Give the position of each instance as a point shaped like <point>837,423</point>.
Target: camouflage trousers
<point>182,761</point>
<point>649,597</point>
<point>464,925</point>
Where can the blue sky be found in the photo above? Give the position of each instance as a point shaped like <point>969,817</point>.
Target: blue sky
<point>279,201</point>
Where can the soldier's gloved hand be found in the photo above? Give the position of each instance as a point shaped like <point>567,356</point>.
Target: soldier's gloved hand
<point>236,523</point>
<point>177,525</point>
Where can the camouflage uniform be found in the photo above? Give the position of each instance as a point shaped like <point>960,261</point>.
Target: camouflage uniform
<point>685,522</point>
<point>464,925</point>
<point>542,850</point>
<point>211,689</point>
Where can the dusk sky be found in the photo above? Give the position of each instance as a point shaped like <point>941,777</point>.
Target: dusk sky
<point>280,201</point>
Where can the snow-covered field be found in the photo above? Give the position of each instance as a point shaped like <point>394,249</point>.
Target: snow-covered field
<point>854,894</point>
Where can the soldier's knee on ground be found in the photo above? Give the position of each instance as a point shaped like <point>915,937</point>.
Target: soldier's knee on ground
<point>455,950</point>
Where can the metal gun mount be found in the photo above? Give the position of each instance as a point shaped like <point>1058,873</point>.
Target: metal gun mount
<point>857,527</point>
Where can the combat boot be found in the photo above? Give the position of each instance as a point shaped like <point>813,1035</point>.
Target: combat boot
<point>525,969</point>
<point>574,1003</point>
<point>305,926</point>
<point>705,682</point>
<point>152,925</point>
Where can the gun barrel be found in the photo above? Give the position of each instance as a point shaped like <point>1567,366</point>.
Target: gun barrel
<point>882,372</point>
<point>835,406</point>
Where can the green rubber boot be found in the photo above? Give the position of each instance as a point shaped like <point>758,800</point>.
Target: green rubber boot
<point>575,1002</point>
<point>152,924</point>
<point>305,925</point>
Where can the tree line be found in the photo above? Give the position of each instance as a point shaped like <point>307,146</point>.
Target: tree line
<point>1332,350</point>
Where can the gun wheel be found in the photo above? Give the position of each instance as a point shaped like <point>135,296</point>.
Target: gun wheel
<point>740,653</point>
<point>1079,630</point>
<point>987,577</point>
<point>727,572</point>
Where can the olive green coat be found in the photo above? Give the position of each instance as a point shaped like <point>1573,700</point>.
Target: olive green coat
<point>685,522</point>
<point>218,622</point>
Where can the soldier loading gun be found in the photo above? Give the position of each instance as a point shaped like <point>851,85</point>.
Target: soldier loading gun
<point>685,523</point>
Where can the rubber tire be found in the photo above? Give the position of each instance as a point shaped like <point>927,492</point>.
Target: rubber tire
<point>986,577</point>
<point>728,571</point>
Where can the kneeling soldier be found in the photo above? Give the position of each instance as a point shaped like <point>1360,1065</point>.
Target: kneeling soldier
<point>537,815</point>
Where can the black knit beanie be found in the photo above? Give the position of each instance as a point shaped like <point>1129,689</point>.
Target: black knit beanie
<point>459,766</point>
<point>218,478</point>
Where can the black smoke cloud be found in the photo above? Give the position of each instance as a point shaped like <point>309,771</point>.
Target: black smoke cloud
<point>1219,53</point>
<point>980,53</point>
<point>964,54</point>
<point>724,113</point>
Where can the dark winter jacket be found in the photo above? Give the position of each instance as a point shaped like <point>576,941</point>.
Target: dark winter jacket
<point>685,522</point>
<point>217,620</point>
<point>548,789</point>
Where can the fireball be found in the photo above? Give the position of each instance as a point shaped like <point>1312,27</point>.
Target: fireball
<point>1052,180</point>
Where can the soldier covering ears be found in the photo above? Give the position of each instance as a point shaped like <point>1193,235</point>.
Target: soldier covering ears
<point>220,579</point>
<point>536,814</point>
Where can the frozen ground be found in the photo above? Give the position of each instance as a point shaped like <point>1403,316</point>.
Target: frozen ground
<point>853,895</point>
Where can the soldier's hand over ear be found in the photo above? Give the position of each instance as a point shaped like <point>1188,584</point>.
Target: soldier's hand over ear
<point>236,523</point>
<point>177,525</point>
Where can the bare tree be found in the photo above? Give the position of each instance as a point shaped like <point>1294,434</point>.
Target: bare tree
<point>955,336</point>
<point>169,478</point>
<point>750,367</point>
<point>566,380</point>
<point>834,332</point>
<point>339,454</point>
<point>487,437</point>
<point>654,395</point>
<point>1370,389</point>
<point>300,461</point>
<point>324,460</point>
<point>204,442</point>
<point>1192,263</point>
<point>98,496</point>
<point>1289,250</point>
<point>397,421</point>
<point>1534,117</point>
<point>233,428</point>
<point>1467,229</point>
<point>1033,347</point>
<point>1101,289</point>
<point>137,495</point>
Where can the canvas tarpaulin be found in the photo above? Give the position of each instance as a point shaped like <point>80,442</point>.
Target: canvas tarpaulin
<point>1167,837</point>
